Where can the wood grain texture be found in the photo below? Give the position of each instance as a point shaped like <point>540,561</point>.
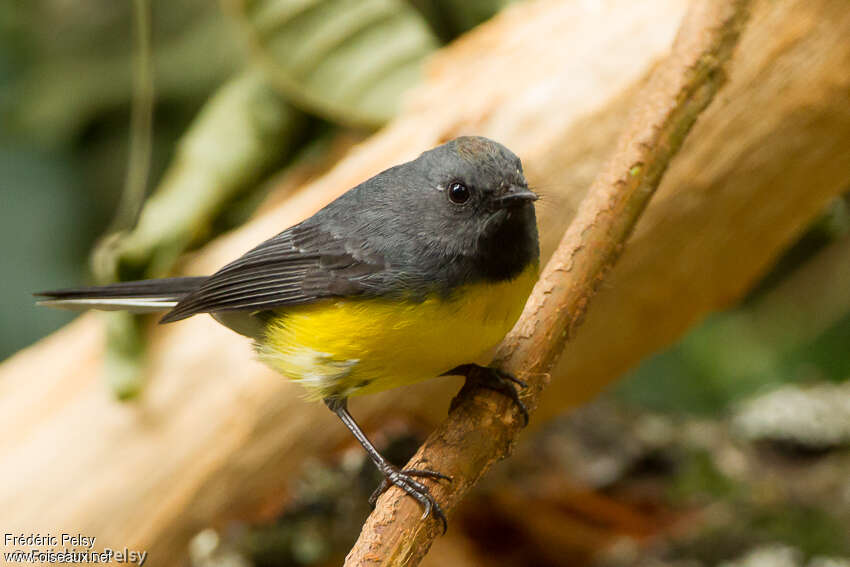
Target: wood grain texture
<point>217,436</point>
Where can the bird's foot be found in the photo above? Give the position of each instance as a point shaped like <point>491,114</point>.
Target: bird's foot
<point>494,379</point>
<point>406,480</point>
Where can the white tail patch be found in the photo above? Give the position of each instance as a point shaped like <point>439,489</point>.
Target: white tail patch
<point>133,304</point>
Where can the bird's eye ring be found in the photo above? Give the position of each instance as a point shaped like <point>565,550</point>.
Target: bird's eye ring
<point>458,193</point>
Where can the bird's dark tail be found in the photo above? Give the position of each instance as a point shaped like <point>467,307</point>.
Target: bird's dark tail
<point>144,296</point>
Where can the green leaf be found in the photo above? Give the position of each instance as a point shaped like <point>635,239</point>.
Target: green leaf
<point>243,131</point>
<point>349,62</point>
<point>57,95</point>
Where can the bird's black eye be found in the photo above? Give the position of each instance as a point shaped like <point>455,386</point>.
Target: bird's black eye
<point>458,193</point>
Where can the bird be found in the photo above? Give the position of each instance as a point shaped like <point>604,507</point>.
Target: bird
<point>415,273</point>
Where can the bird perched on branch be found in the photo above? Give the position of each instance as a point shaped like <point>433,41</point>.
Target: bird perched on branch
<point>415,273</point>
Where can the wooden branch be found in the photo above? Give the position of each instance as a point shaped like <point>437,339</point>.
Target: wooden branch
<point>482,428</point>
<point>216,436</point>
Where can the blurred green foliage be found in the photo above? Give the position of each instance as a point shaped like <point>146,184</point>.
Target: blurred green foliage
<point>349,62</point>
<point>793,327</point>
<point>65,87</point>
<point>45,232</point>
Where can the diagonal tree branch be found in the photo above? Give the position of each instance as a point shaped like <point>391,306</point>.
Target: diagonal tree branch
<point>482,426</point>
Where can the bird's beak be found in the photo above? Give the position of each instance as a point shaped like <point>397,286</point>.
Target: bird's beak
<point>515,196</point>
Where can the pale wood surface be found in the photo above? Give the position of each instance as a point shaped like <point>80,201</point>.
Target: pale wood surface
<point>217,436</point>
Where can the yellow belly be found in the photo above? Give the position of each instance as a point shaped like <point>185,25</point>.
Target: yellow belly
<point>345,347</point>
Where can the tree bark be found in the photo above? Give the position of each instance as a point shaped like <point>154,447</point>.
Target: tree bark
<point>216,436</point>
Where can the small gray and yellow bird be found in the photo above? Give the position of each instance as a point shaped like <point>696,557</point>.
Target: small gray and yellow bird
<point>415,273</point>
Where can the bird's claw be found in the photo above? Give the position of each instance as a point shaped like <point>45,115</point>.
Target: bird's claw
<point>405,480</point>
<point>497,380</point>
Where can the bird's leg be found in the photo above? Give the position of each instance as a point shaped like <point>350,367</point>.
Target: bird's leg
<point>493,379</point>
<point>403,478</point>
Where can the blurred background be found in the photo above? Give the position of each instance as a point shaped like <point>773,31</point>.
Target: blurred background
<point>732,446</point>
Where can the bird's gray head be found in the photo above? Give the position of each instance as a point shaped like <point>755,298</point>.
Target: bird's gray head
<point>467,201</point>
<point>460,212</point>
<point>477,178</point>
<point>466,194</point>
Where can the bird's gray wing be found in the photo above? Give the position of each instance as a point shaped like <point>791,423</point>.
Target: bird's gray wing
<point>300,265</point>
